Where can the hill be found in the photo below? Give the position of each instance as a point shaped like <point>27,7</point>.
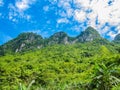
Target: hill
<point>117,39</point>
<point>60,62</point>
<point>31,41</point>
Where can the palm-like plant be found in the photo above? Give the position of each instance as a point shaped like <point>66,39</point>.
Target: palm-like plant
<point>23,87</point>
<point>104,78</point>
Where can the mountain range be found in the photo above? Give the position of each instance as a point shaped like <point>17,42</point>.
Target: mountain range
<point>32,41</point>
<point>60,62</point>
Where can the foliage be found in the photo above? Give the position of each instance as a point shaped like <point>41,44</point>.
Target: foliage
<point>30,62</point>
<point>67,67</point>
<point>105,77</point>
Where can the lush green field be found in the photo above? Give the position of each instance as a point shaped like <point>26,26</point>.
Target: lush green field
<point>86,66</point>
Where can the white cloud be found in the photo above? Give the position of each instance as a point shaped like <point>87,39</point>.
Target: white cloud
<point>103,12</point>
<point>38,31</point>
<point>62,20</point>
<point>118,28</point>
<point>111,34</point>
<point>76,28</point>
<point>1,3</point>
<point>69,12</point>
<point>66,5</point>
<point>91,11</point>
<point>12,13</point>
<point>23,5</point>
<point>79,15</point>
<point>53,1</point>
<point>82,3</point>
<point>18,10</point>
<point>62,13</point>
<point>46,8</point>
<point>34,31</point>
<point>105,30</point>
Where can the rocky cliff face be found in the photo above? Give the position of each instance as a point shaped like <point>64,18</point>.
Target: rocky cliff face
<point>117,39</point>
<point>58,38</point>
<point>31,41</point>
<point>24,42</point>
<point>88,35</point>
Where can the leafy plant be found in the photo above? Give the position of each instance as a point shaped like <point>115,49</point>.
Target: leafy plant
<point>104,78</point>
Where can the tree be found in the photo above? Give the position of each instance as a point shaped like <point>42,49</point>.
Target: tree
<point>105,51</point>
<point>104,78</point>
<point>1,51</point>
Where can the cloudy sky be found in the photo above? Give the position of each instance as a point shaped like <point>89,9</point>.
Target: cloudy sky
<point>46,17</point>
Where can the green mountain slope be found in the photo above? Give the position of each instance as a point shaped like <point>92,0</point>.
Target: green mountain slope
<point>24,42</point>
<point>59,38</point>
<point>88,35</point>
<point>60,62</point>
<point>64,67</point>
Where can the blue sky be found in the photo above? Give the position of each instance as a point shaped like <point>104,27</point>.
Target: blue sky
<point>46,17</point>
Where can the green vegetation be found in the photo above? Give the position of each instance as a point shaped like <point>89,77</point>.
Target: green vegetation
<point>85,62</point>
<point>89,34</point>
<point>31,41</point>
<point>87,66</point>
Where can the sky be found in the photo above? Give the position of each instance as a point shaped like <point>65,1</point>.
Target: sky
<point>45,17</point>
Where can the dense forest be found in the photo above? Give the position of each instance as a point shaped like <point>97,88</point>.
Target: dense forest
<point>86,62</point>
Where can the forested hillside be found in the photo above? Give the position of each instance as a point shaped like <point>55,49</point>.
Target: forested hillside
<point>86,62</point>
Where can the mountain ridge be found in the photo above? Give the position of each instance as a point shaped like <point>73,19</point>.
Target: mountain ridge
<point>89,34</point>
<point>31,41</point>
<point>117,38</point>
